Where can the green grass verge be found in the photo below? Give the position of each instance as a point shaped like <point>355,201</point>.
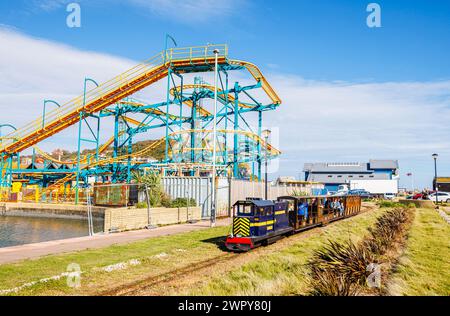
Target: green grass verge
<point>181,250</point>
<point>424,268</point>
<point>284,272</point>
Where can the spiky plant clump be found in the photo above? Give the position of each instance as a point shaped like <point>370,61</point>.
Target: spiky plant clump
<point>344,259</point>
<point>328,283</point>
<point>340,269</point>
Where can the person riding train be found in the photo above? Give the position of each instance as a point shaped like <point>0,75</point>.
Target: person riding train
<point>337,206</point>
<point>303,208</point>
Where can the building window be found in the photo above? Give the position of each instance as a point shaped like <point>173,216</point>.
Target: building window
<point>361,176</point>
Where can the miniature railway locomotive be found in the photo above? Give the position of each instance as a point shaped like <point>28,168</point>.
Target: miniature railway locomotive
<point>261,222</point>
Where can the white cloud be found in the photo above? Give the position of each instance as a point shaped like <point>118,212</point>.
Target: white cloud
<point>190,11</point>
<point>50,5</point>
<point>33,69</point>
<point>185,11</point>
<point>326,121</point>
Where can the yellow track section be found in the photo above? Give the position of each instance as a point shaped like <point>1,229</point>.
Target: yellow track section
<point>106,162</point>
<point>255,137</point>
<point>142,152</point>
<point>112,92</point>
<point>257,74</point>
<point>83,160</point>
<point>153,111</point>
<point>203,111</point>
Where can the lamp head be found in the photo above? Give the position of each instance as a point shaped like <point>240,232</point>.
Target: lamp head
<point>435,156</point>
<point>216,51</point>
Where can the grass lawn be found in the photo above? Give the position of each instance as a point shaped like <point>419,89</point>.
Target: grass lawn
<point>156,256</point>
<point>283,272</point>
<point>424,268</point>
<point>276,270</point>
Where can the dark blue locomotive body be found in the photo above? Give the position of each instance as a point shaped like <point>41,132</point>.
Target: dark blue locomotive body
<point>256,222</point>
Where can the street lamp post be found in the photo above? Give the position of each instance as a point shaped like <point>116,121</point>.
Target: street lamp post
<point>410,174</point>
<point>266,134</point>
<point>435,157</point>
<point>214,197</point>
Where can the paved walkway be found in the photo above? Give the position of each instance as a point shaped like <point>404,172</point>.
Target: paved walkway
<point>33,251</point>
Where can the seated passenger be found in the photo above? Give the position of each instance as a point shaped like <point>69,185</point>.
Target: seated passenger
<point>303,208</point>
<point>340,207</point>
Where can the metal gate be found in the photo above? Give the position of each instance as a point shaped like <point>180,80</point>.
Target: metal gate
<point>199,189</point>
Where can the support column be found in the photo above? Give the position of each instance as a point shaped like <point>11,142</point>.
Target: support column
<point>80,124</point>
<point>236,128</point>
<point>116,143</point>
<point>169,76</point>
<point>259,143</point>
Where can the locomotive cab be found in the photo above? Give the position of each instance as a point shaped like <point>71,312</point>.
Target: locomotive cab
<point>255,222</point>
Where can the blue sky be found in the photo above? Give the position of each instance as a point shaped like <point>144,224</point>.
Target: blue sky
<point>309,48</point>
<point>324,39</point>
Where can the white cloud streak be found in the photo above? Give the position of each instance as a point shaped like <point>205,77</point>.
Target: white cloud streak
<point>327,121</point>
<point>185,11</point>
<point>190,11</point>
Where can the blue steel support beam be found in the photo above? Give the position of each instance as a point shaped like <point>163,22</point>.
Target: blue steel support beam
<point>166,151</point>
<point>236,127</point>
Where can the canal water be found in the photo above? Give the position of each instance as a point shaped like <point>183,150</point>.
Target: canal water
<point>18,230</point>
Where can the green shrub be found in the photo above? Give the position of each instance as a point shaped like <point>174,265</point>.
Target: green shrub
<point>141,205</point>
<point>390,204</point>
<point>183,202</point>
<point>166,201</point>
<point>152,181</point>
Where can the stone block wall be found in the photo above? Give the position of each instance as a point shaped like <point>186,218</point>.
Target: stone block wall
<point>122,219</point>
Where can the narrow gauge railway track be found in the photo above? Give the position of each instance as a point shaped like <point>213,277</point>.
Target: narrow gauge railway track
<point>149,282</point>
<point>136,288</point>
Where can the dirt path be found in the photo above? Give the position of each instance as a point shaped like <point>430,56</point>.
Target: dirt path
<point>175,282</point>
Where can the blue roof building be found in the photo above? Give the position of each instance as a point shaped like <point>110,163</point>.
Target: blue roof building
<point>334,174</point>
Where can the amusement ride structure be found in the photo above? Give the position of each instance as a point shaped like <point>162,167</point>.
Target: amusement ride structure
<point>184,116</point>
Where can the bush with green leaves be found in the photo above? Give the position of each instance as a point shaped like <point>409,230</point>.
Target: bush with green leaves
<point>153,183</point>
<point>183,202</point>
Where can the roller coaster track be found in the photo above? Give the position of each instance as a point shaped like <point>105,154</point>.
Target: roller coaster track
<point>83,160</point>
<point>147,149</point>
<point>150,111</point>
<point>221,96</point>
<point>255,137</point>
<point>257,74</point>
<point>106,161</point>
<point>183,60</point>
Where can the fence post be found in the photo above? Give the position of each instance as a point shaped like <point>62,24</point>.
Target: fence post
<point>229,196</point>
<point>149,218</point>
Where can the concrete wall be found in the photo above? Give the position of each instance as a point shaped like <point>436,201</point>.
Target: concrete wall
<point>122,219</point>
<point>50,210</point>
